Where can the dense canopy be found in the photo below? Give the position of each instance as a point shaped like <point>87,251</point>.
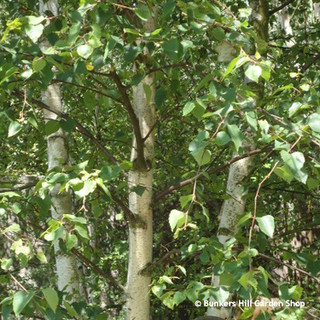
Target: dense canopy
<point>156,154</point>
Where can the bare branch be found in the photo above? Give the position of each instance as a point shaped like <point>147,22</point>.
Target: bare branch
<point>290,266</point>
<point>215,170</point>
<point>84,131</point>
<point>275,10</point>
<point>97,270</point>
<point>135,122</point>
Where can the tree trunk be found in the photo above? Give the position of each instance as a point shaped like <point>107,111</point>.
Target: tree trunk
<point>58,156</point>
<point>140,234</point>
<point>284,19</point>
<point>234,207</point>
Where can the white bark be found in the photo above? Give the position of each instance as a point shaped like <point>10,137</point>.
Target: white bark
<point>284,19</point>
<point>231,210</point>
<point>58,156</point>
<point>141,238</point>
<point>235,206</point>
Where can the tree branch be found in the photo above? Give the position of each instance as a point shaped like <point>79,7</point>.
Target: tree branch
<point>19,184</point>
<point>85,87</point>
<point>275,10</point>
<point>290,266</point>
<point>97,270</point>
<point>134,119</point>
<point>313,61</point>
<point>215,170</point>
<point>84,131</point>
<point>286,125</point>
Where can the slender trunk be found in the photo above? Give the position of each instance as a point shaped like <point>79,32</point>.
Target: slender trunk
<point>58,156</point>
<point>141,236</point>
<point>284,19</point>
<point>234,207</point>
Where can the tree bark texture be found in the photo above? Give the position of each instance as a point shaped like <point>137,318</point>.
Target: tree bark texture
<point>235,206</point>
<point>140,234</point>
<point>58,156</point>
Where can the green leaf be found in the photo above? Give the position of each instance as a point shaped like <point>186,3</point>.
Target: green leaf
<point>166,279</point>
<point>184,200</point>
<point>84,51</point>
<point>160,97</point>
<point>67,124</point>
<point>167,300</point>
<point>253,72</point>
<point>139,190</point>
<point>197,148</point>
<point>41,257</point>
<point>222,138</point>
<point>38,64</point>
<point>312,183</point>
<point>7,74</point>
<point>88,187</point>
<point>248,280</point>
<point>108,173</point>
<point>296,106</point>
<point>26,74</point>
<point>247,313</point>
<point>266,225</point>
<point>218,33</point>
<point>142,12</point>
<point>172,48</point>
<point>183,269</point>
<point>235,135</point>
<point>251,118</point>
<point>295,162</point>
<point>52,298</point>
<point>20,301</point>
<point>220,294</point>
<point>6,263</point>
<point>34,32</point>
<point>71,241</point>
<point>131,52</point>
<point>179,297</point>
<point>204,257</point>
<point>82,231</point>
<point>75,219</point>
<point>14,128</point>
<point>314,122</point>
<point>284,172</point>
<point>51,126</point>
<point>34,20</point>
<point>71,311</point>
<point>232,66</point>
<point>176,219</point>
<point>188,108</point>
<point>13,228</point>
<point>158,289</point>
<point>168,8</point>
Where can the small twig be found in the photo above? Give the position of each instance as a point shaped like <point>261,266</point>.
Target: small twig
<point>257,195</point>
<point>84,131</point>
<point>186,182</point>
<point>18,283</point>
<point>290,266</point>
<point>97,270</point>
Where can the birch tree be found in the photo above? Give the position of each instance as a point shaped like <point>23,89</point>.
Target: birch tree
<point>142,157</point>
<point>58,156</point>
<point>194,80</point>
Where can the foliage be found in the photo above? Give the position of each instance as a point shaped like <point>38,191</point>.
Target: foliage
<point>200,53</point>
